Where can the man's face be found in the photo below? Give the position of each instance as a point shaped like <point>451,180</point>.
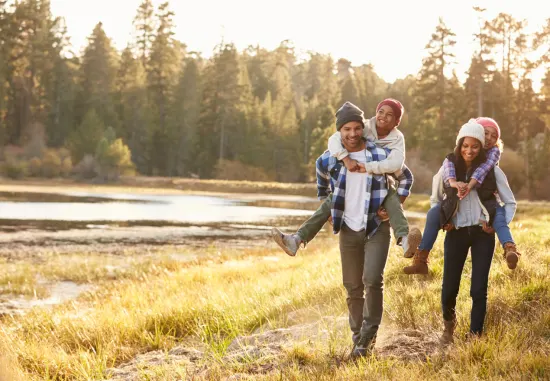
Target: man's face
<point>385,120</point>
<point>352,133</point>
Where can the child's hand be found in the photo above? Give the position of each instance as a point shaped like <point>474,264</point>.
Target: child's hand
<point>361,167</point>
<point>351,165</point>
<point>463,189</point>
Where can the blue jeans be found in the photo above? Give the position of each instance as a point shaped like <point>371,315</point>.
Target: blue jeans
<point>457,243</point>
<point>431,229</point>
<point>501,227</point>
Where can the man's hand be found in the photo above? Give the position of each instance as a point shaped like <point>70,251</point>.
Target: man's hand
<point>448,227</point>
<point>330,220</point>
<point>402,199</point>
<point>383,214</point>
<point>488,229</point>
<point>351,165</point>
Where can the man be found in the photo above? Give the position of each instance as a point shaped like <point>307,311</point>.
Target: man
<point>356,214</point>
<point>382,130</point>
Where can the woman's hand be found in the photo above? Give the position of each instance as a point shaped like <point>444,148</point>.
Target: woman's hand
<point>488,229</point>
<point>448,227</point>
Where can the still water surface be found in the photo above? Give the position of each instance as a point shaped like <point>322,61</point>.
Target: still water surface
<point>176,208</point>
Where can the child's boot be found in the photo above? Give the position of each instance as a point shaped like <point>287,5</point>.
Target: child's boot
<point>511,255</point>
<point>420,263</point>
<point>410,243</point>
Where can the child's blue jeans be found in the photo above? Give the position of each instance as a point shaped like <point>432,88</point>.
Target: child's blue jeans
<point>432,228</point>
<point>501,227</point>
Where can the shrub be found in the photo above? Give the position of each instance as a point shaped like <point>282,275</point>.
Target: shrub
<point>235,170</point>
<point>114,159</point>
<point>51,164</point>
<point>15,169</point>
<point>35,167</point>
<point>86,168</point>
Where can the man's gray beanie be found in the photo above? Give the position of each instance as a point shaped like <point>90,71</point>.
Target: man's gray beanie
<point>348,113</point>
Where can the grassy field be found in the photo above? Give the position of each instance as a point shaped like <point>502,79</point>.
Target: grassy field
<point>152,317</point>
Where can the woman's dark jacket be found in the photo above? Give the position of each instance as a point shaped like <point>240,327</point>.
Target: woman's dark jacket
<point>486,192</point>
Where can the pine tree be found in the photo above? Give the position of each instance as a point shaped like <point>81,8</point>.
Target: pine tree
<point>481,67</point>
<point>184,117</point>
<point>144,28</point>
<point>220,113</point>
<point>31,44</point>
<point>348,86</point>
<point>133,109</point>
<point>432,97</point>
<point>372,89</point>
<point>162,76</point>
<point>98,78</point>
<point>257,60</point>
<point>84,140</point>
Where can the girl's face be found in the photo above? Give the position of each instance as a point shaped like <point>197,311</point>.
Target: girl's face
<point>470,149</point>
<point>491,137</point>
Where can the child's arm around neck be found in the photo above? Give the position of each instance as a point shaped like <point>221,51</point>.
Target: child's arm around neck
<point>493,156</point>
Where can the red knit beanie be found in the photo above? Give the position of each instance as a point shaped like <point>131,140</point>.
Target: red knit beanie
<point>395,105</point>
<point>488,122</point>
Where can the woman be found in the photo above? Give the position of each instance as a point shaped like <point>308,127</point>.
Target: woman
<point>468,225</point>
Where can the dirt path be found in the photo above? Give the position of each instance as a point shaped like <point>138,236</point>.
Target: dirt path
<point>269,349</point>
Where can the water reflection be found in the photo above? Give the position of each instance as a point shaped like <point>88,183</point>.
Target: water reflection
<point>133,207</point>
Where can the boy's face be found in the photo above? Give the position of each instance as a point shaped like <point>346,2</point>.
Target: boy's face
<point>352,136</point>
<point>491,137</point>
<point>385,120</point>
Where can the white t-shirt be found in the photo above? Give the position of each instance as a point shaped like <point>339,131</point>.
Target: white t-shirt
<point>356,185</point>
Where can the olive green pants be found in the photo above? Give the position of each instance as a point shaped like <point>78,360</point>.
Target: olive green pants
<point>315,223</point>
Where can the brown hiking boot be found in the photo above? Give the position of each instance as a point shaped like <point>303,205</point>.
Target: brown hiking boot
<point>511,255</point>
<point>448,332</point>
<point>420,263</point>
<point>413,240</point>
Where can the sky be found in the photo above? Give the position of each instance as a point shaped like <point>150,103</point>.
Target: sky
<point>389,35</point>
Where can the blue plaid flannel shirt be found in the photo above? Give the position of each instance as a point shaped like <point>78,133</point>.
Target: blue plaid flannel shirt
<point>331,178</point>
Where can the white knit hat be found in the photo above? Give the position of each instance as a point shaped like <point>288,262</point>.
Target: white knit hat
<point>472,129</point>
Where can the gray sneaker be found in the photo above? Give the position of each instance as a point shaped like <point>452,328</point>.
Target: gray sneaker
<point>290,243</point>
